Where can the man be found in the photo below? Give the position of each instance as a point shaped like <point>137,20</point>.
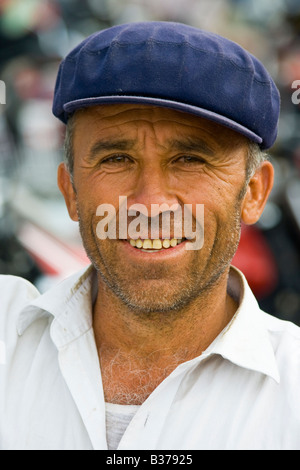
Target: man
<point>160,344</point>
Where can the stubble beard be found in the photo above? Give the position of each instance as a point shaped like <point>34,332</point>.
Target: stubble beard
<point>155,290</point>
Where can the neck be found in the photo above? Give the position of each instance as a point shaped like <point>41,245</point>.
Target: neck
<point>159,342</point>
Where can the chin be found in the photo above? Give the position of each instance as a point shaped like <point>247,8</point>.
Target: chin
<point>154,300</point>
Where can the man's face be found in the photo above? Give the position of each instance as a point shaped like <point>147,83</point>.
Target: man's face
<point>155,155</point>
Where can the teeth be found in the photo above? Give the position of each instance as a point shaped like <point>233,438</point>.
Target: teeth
<point>173,242</point>
<point>147,244</point>
<point>156,244</point>
<point>166,243</point>
<point>139,243</point>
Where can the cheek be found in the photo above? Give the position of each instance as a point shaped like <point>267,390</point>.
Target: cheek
<point>91,192</point>
<point>216,199</point>
<point>221,215</point>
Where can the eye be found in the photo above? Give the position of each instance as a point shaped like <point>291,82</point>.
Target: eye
<point>118,159</point>
<point>189,161</point>
<point>116,162</point>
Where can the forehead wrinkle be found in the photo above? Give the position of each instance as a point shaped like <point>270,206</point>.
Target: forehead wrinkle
<point>180,131</point>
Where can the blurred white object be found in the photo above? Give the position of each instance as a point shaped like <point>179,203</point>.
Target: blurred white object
<point>41,148</point>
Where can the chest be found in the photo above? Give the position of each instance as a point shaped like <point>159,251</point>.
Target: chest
<point>130,382</point>
<point>57,402</point>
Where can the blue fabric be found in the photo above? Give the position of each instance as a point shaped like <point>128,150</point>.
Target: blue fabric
<point>173,65</point>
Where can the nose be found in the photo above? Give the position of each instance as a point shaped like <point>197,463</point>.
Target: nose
<point>152,188</point>
<point>156,201</point>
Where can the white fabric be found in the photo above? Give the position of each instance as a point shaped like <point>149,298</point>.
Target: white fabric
<point>118,418</point>
<point>241,393</point>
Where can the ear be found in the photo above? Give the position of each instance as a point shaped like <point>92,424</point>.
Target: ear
<point>259,188</point>
<point>67,189</point>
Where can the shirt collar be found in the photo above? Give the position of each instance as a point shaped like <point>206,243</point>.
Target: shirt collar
<point>68,304</point>
<point>244,341</point>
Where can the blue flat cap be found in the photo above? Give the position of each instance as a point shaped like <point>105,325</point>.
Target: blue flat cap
<point>175,66</point>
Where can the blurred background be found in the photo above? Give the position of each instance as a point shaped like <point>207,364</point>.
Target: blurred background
<point>37,239</point>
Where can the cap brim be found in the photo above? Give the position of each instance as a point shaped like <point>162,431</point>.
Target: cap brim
<point>72,106</point>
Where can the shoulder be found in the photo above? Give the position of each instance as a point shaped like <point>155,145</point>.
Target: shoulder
<point>285,339</point>
<point>282,331</point>
<point>15,294</point>
<point>16,355</point>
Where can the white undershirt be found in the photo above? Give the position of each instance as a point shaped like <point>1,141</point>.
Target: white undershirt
<point>118,418</point>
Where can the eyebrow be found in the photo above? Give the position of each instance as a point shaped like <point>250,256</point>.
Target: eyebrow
<point>110,145</point>
<point>191,144</point>
<point>185,144</point>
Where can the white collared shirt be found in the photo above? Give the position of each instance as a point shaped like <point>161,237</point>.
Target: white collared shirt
<point>243,392</point>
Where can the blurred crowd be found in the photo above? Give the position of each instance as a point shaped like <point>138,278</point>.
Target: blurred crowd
<point>37,240</point>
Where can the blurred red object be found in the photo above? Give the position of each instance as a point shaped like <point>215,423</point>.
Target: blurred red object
<point>53,256</point>
<point>256,261</point>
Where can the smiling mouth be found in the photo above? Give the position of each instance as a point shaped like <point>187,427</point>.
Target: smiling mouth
<point>153,246</point>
